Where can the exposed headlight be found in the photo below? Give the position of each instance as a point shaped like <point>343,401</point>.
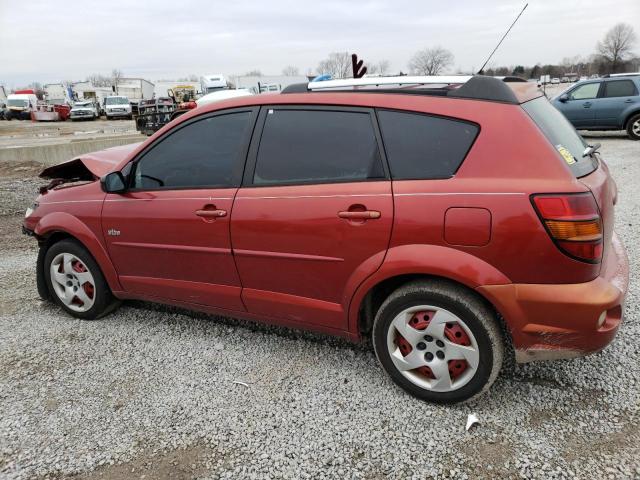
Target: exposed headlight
<point>30,210</point>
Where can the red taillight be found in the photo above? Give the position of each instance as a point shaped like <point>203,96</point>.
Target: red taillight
<point>573,221</point>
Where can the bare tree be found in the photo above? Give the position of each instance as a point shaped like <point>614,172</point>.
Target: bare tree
<point>379,68</point>
<point>617,44</point>
<point>116,76</point>
<point>290,71</point>
<point>337,64</point>
<point>98,80</point>
<point>430,61</point>
<point>254,73</point>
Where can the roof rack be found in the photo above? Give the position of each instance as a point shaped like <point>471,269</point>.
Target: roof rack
<point>478,87</point>
<point>630,74</point>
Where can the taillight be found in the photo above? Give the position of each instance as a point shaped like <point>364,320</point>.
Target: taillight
<point>573,222</point>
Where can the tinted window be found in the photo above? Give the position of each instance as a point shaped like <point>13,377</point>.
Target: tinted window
<point>555,126</point>
<point>200,154</point>
<point>422,146</point>
<point>313,146</point>
<point>590,90</point>
<point>620,88</point>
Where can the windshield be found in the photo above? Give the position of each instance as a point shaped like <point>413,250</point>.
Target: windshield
<point>82,104</point>
<point>13,102</point>
<point>117,101</point>
<point>562,135</point>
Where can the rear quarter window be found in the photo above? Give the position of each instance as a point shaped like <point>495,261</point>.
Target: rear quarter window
<point>555,126</point>
<point>422,146</point>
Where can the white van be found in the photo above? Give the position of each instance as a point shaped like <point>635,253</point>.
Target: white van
<point>20,105</point>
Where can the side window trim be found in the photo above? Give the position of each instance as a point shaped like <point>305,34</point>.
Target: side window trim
<point>252,157</point>
<point>240,162</point>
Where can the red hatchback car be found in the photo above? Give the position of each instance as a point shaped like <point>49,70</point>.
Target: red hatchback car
<point>446,217</point>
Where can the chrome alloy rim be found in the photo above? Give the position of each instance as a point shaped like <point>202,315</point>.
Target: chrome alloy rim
<point>433,348</point>
<point>72,282</point>
<point>636,127</point>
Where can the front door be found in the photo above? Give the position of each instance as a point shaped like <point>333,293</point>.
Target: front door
<point>578,108</point>
<point>617,96</point>
<point>314,213</point>
<point>168,235</point>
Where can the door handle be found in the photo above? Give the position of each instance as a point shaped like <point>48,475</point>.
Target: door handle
<point>586,104</point>
<point>360,215</point>
<point>211,213</point>
<point>628,100</point>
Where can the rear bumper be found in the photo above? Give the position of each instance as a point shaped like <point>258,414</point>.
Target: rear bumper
<point>567,320</point>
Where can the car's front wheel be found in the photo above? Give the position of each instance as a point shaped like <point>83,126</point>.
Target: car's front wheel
<point>633,127</point>
<point>75,281</point>
<point>438,342</point>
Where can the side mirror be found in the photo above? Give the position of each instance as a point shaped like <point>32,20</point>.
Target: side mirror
<point>563,98</point>
<point>113,182</point>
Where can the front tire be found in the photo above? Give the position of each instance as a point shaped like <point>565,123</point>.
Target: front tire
<point>633,127</point>
<point>76,282</point>
<point>438,342</point>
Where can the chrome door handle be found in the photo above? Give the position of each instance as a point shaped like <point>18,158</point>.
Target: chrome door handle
<point>363,215</point>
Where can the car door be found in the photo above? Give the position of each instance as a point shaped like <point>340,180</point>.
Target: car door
<point>616,97</point>
<point>314,213</point>
<point>578,105</point>
<point>168,235</point>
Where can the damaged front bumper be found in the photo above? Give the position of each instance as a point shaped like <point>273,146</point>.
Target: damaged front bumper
<point>549,322</point>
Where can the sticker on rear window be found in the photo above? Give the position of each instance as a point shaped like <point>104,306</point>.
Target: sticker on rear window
<point>566,154</point>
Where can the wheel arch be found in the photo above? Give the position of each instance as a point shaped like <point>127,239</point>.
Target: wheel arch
<point>58,226</point>
<point>628,116</point>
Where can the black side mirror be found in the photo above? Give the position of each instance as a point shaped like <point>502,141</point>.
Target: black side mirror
<point>113,182</point>
<point>564,97</point>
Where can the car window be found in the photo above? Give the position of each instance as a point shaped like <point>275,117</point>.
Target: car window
<point>583,92</point>
<point>555,126</point>
<point>620,88</point>
<point>423,146</point>
<point>317,146</point>
<point>202,153</point>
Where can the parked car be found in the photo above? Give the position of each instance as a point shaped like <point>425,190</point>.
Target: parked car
<point>610,103</point>
<point>117,107</point>
<point>84,111</point>
<point>555,81</point>
<point>445,223</point>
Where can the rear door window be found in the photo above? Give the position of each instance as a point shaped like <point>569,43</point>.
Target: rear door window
<point>317,146</point>
<point>620,88</point>
<point>423,146</point>
<point>562,135</point>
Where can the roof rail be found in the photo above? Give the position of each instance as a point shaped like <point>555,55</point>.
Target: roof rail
<point>478,87</point>
<point>629,74</point>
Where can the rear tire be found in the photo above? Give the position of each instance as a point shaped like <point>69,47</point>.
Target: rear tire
<point>633,127</point>
<point>450,349</point>
<point>76,282</point>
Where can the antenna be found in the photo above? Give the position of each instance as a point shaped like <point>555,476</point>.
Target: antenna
<point>481,71</point>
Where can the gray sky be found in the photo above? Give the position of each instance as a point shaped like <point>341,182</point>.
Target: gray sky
<point>50,41</point>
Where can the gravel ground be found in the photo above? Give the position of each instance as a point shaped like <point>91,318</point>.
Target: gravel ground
<point>149,391</point>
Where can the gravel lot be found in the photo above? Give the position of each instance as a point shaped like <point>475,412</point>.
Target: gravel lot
<point>149,391</point>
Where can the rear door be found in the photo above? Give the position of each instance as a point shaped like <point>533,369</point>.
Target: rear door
<point>168,236</point>
<point>314,213</point>
<point>616,97</point>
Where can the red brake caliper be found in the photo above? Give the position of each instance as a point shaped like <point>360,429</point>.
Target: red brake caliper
<point>80,268</point>
<point>420,321</point>
<point>455,334</point>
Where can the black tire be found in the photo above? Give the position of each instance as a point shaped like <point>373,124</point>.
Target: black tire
<point>8,115</point>
<point>478,317</point>
<point>104,301</point>
<point>634,122</point>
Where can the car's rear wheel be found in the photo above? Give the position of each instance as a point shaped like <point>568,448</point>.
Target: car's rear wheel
<point>75,281</point>
<point>633,127</point>
<point>438,342</point>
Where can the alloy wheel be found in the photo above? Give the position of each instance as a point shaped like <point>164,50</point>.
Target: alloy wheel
<point>433,348</point>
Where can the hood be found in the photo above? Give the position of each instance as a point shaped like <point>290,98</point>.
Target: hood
<point>90,166</point>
